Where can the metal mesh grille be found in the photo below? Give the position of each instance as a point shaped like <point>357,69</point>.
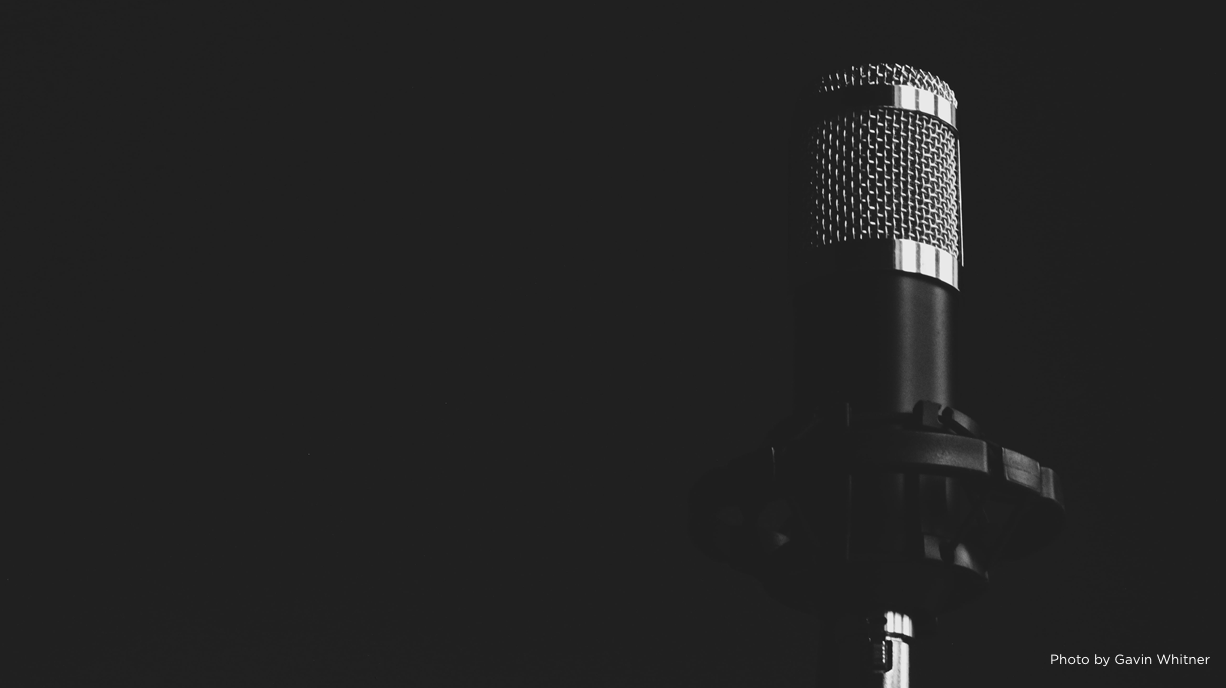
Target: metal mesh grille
<point>892,74</point>
<point>882,173</point>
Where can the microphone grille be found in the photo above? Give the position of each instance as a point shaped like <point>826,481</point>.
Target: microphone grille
<point>877,172</point>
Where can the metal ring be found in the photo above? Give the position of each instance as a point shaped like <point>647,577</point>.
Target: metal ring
<point>887,95</point>
<point>904,255</point>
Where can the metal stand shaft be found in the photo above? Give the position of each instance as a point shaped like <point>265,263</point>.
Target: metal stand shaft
<point>866,652</point>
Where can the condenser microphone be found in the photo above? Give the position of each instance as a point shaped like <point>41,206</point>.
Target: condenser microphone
<point>877,506</point>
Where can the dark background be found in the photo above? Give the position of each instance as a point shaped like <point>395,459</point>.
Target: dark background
<point>351,348</point>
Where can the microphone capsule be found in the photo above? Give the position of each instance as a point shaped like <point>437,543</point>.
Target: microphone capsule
<point>879,168</point>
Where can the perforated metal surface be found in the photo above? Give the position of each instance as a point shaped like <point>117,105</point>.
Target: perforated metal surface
<point>891,74</point>
<point>881,172</point>
<point>884,174</point>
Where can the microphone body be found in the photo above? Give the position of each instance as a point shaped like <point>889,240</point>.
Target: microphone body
<point>877,506</point>
<point>880,341</point>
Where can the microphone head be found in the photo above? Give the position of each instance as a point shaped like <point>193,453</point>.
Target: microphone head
<point>879,165</point>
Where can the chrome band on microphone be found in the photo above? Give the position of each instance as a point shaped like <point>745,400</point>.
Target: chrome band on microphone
<point>902,255</point>
<point>922,259</point>
<point>902,97</point>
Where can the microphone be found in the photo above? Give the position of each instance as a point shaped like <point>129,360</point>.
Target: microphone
<point>878,506</point>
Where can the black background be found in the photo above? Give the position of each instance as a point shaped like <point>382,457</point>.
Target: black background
<point>352,348</point>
